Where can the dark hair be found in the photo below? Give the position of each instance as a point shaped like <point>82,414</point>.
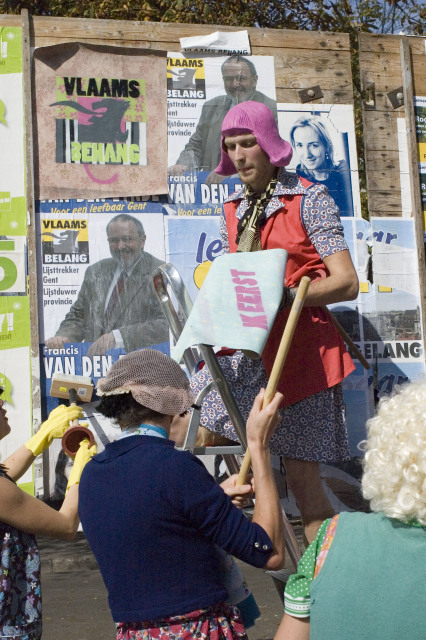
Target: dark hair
<point>124,409</point>
<point>237,58</point>
<point>125,217</point>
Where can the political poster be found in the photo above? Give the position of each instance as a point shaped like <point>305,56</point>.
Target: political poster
<point>15,336</point>
<point>324,149</point>
<point>391,314</point>
<point>192,245</point>
<point>200,92</point>
<point>420,116</point>
<point>101,112</point>
<point>87,319</point>
<point>95,284</point>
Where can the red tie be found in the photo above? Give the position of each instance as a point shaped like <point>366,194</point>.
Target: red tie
<point>115,295</point>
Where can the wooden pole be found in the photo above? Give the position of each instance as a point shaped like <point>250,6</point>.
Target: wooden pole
<point>280,359</point>
<point>41,467</point>
<point>413,163</point>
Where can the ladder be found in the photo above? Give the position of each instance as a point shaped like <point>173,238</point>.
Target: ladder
<point>165,278</point>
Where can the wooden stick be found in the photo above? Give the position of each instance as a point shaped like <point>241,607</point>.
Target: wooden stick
<point>349,342</point>
<point>280,358</point>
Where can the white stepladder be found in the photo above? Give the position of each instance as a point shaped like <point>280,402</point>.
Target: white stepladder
<point>166,278</point>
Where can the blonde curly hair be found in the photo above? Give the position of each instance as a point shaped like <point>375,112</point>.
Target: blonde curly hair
<point>394,477</point>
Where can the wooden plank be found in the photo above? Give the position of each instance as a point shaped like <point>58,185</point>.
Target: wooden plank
<point>39,478</point>
<point>383,67</point>
<point>380,64</point>
<point>379,160</point>
<point>386,43</point>
<point>384,180</point>
<point>382,131</point>
<point>330,97</point>
<point>384,203</point>
<point>413,163</point>
<point>294,69</point>
<point>70,29</point>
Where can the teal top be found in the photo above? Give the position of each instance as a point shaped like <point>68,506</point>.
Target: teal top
<point>371,582</point>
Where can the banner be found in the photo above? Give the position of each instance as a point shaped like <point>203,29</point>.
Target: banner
<point>391,313</point>
<point>200,92</point>
<point>238,302</point>
<point>100,116</point>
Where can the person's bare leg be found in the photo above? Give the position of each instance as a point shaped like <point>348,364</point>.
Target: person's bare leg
<point>305,482</point>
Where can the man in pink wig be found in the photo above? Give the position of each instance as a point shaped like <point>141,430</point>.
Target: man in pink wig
<point>278,209</point>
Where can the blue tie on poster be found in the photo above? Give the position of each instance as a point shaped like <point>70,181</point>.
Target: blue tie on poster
<point>238,302</point>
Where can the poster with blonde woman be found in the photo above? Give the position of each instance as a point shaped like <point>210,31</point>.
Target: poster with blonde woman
<point>324,149</point>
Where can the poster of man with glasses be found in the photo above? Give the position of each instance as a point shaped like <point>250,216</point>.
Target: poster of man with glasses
<point>116,306</point>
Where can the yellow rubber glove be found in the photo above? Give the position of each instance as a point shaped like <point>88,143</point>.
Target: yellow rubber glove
<point>82,457</point>
<point>54,427</point>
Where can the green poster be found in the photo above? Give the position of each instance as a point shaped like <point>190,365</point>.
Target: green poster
<point>14,322</point>
<point>12,163</point>
<point>10,50</point>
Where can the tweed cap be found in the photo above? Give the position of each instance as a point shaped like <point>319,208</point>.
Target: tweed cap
<point>154,380</point>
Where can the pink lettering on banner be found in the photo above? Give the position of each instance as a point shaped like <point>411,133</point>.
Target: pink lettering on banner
<point>255,322</point>
<point>238,280</point>
<point>249,299</point>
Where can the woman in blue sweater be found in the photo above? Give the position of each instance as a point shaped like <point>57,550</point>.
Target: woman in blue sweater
<point>153,515</point>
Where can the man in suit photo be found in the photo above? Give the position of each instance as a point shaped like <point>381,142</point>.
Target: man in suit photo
<point>202,152</point>
<point>117,305</point>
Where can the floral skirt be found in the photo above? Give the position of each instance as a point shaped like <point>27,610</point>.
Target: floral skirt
<point>221,622</point>
<point>313,429</point>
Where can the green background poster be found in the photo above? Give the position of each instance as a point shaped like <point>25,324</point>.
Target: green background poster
<point>15,337</point>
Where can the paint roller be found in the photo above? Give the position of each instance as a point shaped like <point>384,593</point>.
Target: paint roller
<point>73,388</point>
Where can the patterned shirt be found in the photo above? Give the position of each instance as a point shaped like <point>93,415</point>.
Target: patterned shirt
<point>20,589</point>
<point>297,598</point>
<point>319,213</point>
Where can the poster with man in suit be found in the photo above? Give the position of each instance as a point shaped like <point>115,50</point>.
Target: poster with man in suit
<point>109,302</point>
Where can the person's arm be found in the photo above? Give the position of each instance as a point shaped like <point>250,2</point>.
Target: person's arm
<point>55,426</point>
<point>297,595</point>
<point>340,284</point>
<point>293,628</point>
<point>18,462</point>
<point>4,422</point>
<point>267,511</point>
<point>321,220</point>
<point>57,342</point>
<point>144,334</point>
<point>31,515</point>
